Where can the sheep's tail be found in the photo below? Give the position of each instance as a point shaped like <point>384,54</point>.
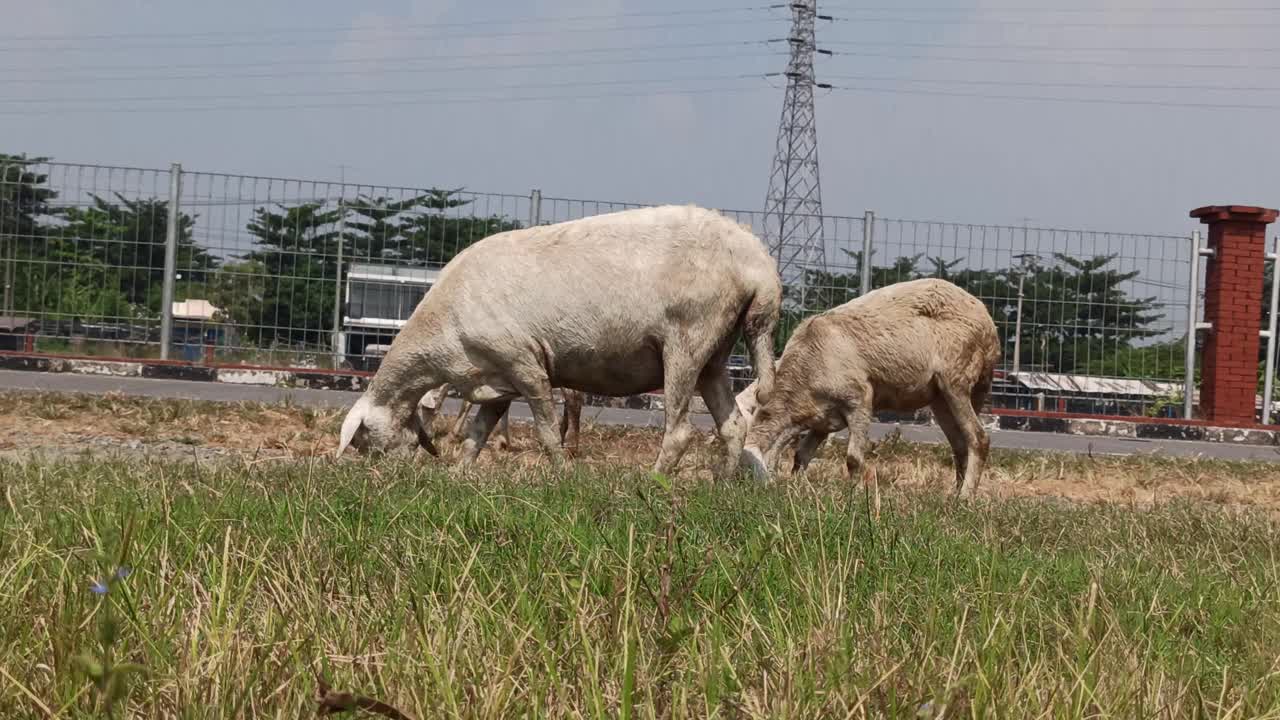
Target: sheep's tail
<point>760,321</point>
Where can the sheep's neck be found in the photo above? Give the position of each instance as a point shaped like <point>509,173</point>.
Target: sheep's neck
<point>400,383</point>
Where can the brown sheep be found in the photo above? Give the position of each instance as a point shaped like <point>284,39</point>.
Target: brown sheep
<point>901,348</point>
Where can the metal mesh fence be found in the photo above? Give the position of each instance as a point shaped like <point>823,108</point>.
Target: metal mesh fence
<point>1090,322</point>
<point>82,249</point>
<point>314,274</point>
<point>318,274</point>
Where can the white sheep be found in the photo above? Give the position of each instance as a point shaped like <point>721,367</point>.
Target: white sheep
<point>616,304</point>
<point>902,347</point>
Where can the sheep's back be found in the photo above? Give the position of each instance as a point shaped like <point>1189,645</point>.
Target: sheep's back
<point>901,336</point>
<point>603,290</point>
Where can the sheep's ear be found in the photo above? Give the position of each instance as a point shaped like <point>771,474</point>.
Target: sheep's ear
<point>353,423</point>
<point>432,398</point>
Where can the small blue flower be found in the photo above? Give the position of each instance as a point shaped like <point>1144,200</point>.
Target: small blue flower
<point>98,588</point>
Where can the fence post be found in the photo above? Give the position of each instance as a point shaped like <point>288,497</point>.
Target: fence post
<point>7,249</point>
<point>1233,307</point>
<point>1269,378</point>
<point>1193,325</point>
<point>170,260</point>
<point>868,233</point>
<point>1017,326</point>
<point>337,286</point>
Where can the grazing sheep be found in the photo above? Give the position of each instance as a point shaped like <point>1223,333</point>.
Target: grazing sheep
<point>902,347</point>
<point>616,304</point>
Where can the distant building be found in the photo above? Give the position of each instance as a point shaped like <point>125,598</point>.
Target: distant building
<point>198,328</point>
<point>378,301</point>
<point>1087,394</point>
<point>18,333</point>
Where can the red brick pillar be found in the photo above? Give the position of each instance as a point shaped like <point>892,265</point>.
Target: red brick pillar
<point>1233,305</point>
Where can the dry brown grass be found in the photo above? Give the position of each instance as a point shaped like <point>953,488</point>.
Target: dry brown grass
<point>68,422</point>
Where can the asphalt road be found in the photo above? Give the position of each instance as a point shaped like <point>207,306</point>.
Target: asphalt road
<point>13,380</point>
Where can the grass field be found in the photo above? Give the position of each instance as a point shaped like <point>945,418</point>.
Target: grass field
<point>599,591</point>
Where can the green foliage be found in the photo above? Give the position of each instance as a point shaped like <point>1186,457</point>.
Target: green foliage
<point>129,236</point>
<point>106,259</point>
<point>297,248</point>
<point>416,231</point>
<point>24,199</point>
<point>1074,311</point>
<point>103,260</point>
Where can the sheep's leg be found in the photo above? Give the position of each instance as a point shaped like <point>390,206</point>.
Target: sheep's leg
<point>571,421</point>
<point>535,386</point>
<point>460,423</point>
<point>504,440</point>
<point>808,447</point>
<point>858,418</point>
<point>481,427</point>
<point>677,387</point>
<point>717,393</point>
<point>951,429</point>
<point>975,438</point>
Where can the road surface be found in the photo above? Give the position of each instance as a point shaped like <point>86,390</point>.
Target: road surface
<point>15,380</point>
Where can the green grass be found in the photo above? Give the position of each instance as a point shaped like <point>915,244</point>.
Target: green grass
<point>530,593</point>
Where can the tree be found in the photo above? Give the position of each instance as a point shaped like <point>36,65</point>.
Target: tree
<point>41,270</point>
<point>129,238</point>
<point>239,289</point>
<point>1075,312</point>
<point>416,231</point>
<point>295,247</point>
<point>824,290</point>
<point>24,200</point>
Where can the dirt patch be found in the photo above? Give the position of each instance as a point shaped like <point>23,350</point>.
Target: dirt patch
<point>53,426</point>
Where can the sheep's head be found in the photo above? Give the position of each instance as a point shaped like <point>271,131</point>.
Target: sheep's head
<point>376,428</point>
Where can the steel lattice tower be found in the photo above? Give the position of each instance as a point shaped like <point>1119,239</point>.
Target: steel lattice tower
<point>793,206</point>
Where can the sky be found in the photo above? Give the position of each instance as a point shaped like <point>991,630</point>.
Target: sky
<point>662,101</point>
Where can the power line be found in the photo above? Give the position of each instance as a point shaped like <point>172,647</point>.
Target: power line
<point>1037,83</point>
<point>383,71</point>
<point>1051,48</point>
<point>1041,61</point>
<point>1047,10</point>
<point>390,58</point>
<point>363,41</point>
<point>1059,25</point>
<point>60,111</point>
<point>1044,98</point>
<point>358,28</point>
<point>370,92</point>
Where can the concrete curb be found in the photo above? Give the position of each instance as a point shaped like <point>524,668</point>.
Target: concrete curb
<point>356,382</point>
